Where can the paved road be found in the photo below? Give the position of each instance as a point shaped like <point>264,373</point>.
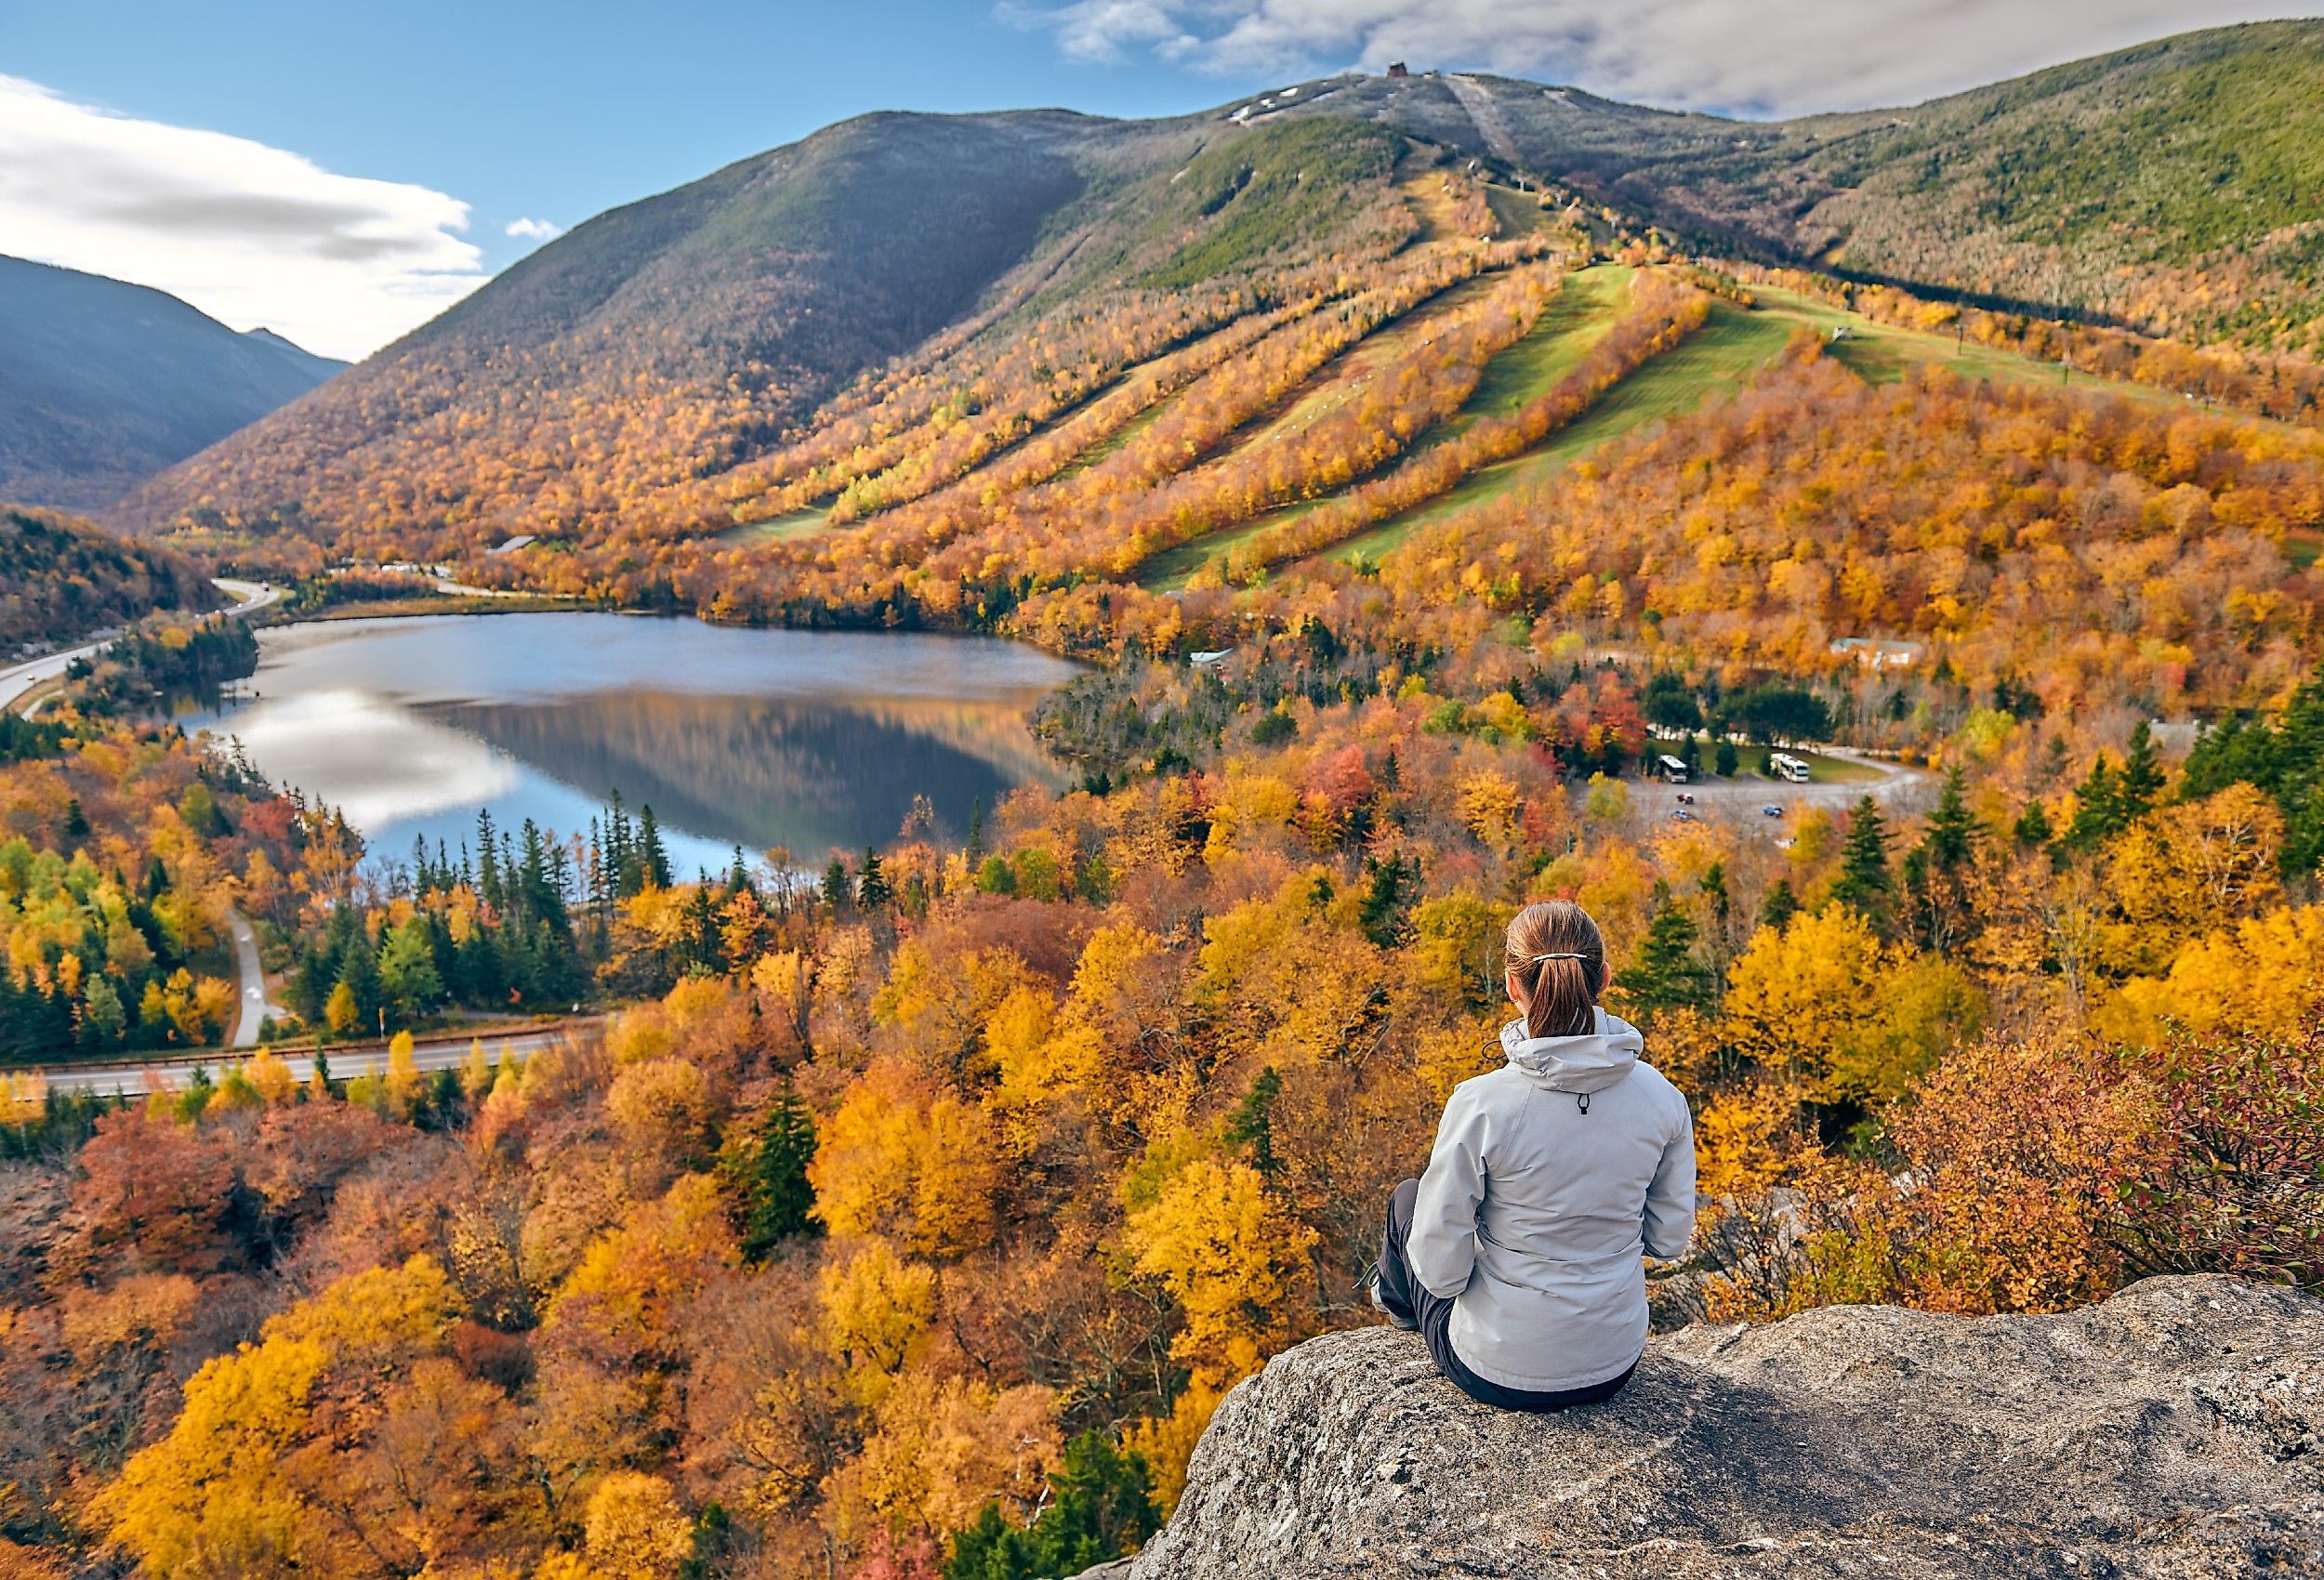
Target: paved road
<point>16,681</point>
<point>22,677</point>
<point>129,1079</point>
<point>254,1008</point>
<point>249,597</point>
<point>1743,795</point>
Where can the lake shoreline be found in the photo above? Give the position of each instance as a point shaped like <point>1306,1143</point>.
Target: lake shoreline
<point>775,739</point>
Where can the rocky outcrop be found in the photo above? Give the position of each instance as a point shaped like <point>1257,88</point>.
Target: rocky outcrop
<point>2175,1430</point>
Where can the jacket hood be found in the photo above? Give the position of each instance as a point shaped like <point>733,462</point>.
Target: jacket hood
<point>1591,1062</point>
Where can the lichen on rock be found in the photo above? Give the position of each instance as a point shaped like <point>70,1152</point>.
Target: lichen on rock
<point>2175,1430</point>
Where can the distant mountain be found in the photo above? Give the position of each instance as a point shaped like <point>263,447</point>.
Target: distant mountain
<point>102,384</point>
<point>735,341</point>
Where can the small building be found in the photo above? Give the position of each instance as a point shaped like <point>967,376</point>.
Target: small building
<point>1395,69</point>
<point>1876,654</point>
<point>512,545</point>
<point>1209,659</point>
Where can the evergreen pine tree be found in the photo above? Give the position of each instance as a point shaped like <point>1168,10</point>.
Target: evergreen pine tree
<point>2033,828</point>
<point>1252,1125</point>
<point>652,859</point>
<point>2140,784</point>
<point>769,1179</point>
<point>706,947</point>
<point>872,890</point>
<point>1725,760</point>
<point>1387,896</point>
<point>1105,1508</point>
<point>1665,974</point>
<point>836,887</point>
<point>1864,881</point>
<point>1951,836</point>
<point>2097,808</point>
<point>488,886</point>
<point>1780,906</point>
<point>359,973</point>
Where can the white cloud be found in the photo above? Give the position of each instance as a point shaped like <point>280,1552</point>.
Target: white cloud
<point>1770,56</point>
<point>535,230</point>
<point>250,235</point>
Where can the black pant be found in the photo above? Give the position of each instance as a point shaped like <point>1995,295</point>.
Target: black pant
<point>1407,1297</point>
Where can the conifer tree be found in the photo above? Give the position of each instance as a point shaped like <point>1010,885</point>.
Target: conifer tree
<point>488,886</point>
<point>1251,1123</point>
<point>2140,784</point>
<point>872,890</point>
<point>1951,836</point>
<point>767,1177</point>
<point>1387,896</point>
<point>2097,808</point>
<point>1864,881</point>
<point>1665,974</point>
<point>652,859</point>
<point>1780,906</point>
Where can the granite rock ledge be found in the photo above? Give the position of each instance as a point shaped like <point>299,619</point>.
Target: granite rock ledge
<point>2175,1430</point>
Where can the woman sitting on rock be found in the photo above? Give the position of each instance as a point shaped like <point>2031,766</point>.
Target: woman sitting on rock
<point>1517,1254</point>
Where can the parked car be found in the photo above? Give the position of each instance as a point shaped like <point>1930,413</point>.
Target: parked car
<point>1686,798</point>
<point>1680,814</point>
<point>1771,809</point>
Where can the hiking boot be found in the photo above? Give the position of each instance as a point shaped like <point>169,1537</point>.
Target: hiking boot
<point>1371,1287</point>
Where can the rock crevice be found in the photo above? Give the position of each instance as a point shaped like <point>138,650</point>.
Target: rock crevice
<point>2174,1430</point>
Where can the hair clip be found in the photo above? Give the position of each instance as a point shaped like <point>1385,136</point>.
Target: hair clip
<point>1539,958</point>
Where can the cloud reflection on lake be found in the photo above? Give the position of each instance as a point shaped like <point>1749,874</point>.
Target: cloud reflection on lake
<point>807,741</point>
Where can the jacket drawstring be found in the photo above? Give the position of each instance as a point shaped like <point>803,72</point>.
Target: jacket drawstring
<point>1581,1101</point>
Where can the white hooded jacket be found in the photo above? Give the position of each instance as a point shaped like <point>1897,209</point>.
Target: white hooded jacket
<point>1550,1176</point>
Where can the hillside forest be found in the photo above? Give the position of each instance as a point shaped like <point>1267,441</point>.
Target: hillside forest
<point>911,1209</point>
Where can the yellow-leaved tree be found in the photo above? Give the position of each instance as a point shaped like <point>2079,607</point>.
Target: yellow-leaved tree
<point>906,1158</point>
<point>231,1491</point>
<point>1228,1253</point>
<point>1825,1001</point>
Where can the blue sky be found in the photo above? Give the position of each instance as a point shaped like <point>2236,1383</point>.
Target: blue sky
<point>556,112</point>
<point>343,171</point>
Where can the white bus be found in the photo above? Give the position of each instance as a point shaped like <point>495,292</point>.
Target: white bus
<point>1673,770</point>
<point>1785,766</point>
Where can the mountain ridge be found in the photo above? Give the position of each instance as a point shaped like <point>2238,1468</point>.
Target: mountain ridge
<point>652,363</point>
<point>104,383</point>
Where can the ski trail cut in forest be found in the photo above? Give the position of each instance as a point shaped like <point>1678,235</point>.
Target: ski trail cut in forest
<point>1720,359</point>
<point>805,521</point>
<point>1477,99</point>
<point>1585,308</point>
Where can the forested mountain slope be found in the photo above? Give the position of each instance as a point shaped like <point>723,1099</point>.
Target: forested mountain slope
<point>102,383</point>
<point>61,577</point>
<point>783,333</point>
<point>670,340</point>
<point>2172,186</point>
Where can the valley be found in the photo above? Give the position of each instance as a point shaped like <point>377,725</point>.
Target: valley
<point>865,811</point>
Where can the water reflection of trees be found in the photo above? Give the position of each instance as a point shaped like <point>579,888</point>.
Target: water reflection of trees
<point>767,771</point>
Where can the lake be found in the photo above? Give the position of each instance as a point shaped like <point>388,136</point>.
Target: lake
<point>803,740</point>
